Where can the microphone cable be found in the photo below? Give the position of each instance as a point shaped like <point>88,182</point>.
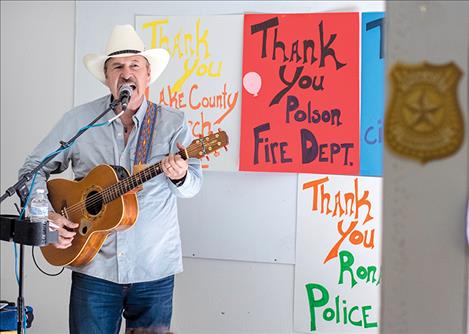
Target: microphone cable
<point>40,269</point>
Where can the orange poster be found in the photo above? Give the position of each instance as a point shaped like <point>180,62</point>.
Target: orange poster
<point>300,97</point>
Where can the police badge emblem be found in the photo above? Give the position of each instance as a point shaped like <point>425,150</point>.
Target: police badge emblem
<point>423,120</point>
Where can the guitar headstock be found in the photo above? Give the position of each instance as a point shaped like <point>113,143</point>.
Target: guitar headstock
<point>201,147</point>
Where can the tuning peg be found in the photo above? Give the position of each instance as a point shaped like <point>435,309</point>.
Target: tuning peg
<point>226,148</point>
<point>208,159</point>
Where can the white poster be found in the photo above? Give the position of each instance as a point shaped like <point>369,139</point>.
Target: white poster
<point>203,77</point>
<point>338,260</point>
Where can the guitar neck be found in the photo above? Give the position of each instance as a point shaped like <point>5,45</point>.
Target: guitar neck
<point>197,149</point>
<point>120,188</point>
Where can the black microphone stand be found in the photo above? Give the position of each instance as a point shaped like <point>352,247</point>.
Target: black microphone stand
<point>22,190</point>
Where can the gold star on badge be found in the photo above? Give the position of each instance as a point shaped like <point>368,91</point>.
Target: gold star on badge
<point>422,109</point>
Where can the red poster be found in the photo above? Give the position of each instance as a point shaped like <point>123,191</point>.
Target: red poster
<point>300,107</point>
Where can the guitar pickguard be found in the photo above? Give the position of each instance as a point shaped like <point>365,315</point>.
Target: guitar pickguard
<point>85,226</point>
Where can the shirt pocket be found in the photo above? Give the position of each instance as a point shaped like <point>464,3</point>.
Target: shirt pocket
<point>158,152</point>
<point>90,155</point>
<point>158,183</point>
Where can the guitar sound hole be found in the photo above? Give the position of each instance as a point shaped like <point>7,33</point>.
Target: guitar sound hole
<point>94,203</point>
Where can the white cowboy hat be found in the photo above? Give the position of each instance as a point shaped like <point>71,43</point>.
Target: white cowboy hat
<point>125,42</point>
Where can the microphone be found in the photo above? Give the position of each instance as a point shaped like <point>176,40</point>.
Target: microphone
<point>125,93</point>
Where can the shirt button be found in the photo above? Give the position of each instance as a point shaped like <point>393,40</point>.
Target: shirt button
<point>121,253</point>
<point>119,134</point>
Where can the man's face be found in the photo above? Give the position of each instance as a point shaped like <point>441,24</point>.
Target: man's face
<point>133,70</point>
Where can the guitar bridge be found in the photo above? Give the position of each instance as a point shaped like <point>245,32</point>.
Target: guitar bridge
<point>65,213</point>
<point>63,210</point>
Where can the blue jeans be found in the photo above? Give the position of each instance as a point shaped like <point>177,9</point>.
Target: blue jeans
<point>97,305</point>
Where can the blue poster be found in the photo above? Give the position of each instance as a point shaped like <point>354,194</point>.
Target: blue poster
<point>372,95</point>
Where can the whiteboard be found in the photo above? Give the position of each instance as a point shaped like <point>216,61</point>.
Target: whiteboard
<point>253,215</point>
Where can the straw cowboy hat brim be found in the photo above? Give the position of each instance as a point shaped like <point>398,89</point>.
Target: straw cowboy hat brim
<point>125,42</point>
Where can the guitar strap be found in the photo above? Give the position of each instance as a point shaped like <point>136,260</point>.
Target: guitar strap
<point>145,137</point>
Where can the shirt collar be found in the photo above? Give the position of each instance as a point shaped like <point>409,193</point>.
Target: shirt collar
<point>140,114</point>
<point>137,117</point>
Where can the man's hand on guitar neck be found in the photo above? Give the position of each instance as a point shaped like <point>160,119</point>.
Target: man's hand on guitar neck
<point>65,229</point>
<point>174,166</point>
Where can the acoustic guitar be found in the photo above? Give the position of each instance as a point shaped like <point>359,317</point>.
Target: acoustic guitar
<point>103,201</point>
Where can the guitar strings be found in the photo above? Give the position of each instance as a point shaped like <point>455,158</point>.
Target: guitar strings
<point>121,186</point>
<point>112,189</point>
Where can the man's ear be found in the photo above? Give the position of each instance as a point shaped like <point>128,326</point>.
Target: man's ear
<point>105,68</point>
<point>148,69</point>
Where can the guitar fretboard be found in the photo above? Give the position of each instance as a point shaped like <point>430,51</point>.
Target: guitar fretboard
<point>120,188</point>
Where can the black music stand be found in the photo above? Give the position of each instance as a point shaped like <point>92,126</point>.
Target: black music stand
<point>28,233</point>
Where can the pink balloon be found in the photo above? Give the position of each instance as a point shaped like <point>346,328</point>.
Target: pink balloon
<point>252,82</point>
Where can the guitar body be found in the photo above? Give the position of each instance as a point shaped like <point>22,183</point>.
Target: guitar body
<point>105,200</point>
<point>82,202</point>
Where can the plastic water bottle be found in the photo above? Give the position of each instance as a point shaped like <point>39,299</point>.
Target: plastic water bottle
<point>39,207</point>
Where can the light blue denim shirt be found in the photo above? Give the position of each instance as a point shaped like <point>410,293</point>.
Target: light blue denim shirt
<point>151,249</point>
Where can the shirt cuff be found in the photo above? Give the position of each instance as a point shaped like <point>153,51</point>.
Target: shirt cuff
<point>179,182</point>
